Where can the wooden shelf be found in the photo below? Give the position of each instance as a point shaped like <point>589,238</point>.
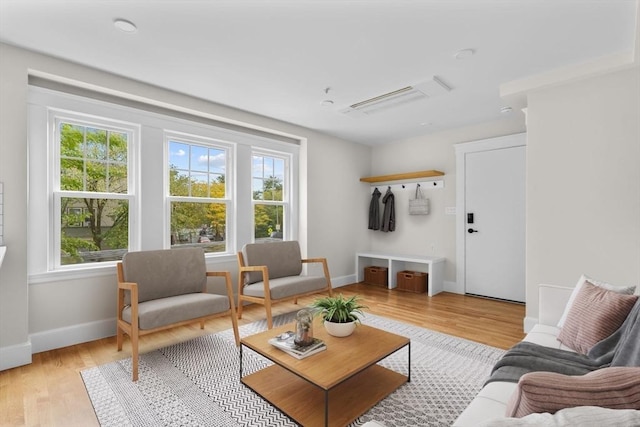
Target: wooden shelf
<point>402,176</point>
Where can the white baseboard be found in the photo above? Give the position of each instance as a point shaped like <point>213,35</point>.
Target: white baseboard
<point>91,331</point>
<point>529,323</point>
<point>337,282</point>
<point>453,287</point>
<point>15,355</point>
<point>71,335</point>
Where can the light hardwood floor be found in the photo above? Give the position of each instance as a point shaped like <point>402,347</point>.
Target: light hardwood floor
<point>50,391</point>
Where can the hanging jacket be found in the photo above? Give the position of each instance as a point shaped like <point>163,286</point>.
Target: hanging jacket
<point>389,214</point>
<point>374,210</point>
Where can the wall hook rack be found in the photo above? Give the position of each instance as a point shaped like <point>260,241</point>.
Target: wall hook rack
<point>402,176</point>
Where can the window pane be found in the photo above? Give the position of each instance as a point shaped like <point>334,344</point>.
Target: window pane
<point>257,168</point>
<point>199,224</point>
<point>118,147</point>
<point>96,144</point>
<point>92,159</point>
<point>178,182</point>
<point>273,188</point>
<point>199,184</point>
<point>71,175</point>
<point>96,176</point>
<point>71,140</point>
<point>93,230</point>
<point>268,220</point>
<point>257,188</point>
<point>117,175</point>
<point>268,177</point>
<point>278,169</point>
<point>217,186</point>
<point>199,158</point>
<point>217,161</point>
<point>178,155</point>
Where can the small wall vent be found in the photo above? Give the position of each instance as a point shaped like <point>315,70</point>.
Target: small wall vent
<point>397,97</point>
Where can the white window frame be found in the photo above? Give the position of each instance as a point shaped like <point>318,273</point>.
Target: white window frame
<point>55,118</point>
<point>228,200</point>
<point>286,202</point>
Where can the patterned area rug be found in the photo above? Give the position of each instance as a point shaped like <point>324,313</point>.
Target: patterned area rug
<point>195,383</point>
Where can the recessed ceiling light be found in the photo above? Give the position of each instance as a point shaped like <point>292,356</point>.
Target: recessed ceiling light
<point>464,53</point>
<point>124,25</point>
<point>506,110</point>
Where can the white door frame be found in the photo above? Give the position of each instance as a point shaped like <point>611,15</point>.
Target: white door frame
<point>509,141</point>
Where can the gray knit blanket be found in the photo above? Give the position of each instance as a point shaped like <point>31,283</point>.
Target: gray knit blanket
<point>622,348</point>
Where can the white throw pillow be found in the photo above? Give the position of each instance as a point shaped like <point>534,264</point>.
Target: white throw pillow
<point>627,290</point>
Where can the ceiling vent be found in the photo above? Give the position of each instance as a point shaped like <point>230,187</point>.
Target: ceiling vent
<point>397,97</point>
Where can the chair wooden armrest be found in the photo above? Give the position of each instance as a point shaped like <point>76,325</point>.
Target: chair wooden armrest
<point>323,260</point>
<point>325,268</point>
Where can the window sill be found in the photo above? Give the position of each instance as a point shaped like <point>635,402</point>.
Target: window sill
<point>104,269</point>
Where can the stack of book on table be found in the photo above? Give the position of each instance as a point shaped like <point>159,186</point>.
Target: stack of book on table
<point>285,342</point>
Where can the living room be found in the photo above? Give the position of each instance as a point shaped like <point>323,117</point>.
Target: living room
<point>582,201</point>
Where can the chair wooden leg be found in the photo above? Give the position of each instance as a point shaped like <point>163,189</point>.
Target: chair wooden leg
<point>239,310</point>
<point>267,306</point>
<point>202,324</point>
<point>119,337</point>
<point>236,333</point>
<point>134,354</point>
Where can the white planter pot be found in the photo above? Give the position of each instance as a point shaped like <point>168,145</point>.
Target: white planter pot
<point>339,329</point>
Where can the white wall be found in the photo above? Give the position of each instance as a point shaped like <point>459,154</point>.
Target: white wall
<point>583,182</point>
<point>36,317</point>
<point>434,234</point>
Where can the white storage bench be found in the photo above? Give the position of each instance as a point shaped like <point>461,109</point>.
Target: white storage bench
<point>433,266</point>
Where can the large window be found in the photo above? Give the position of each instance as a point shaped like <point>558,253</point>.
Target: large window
<point>270,196</point>
<point>198,194</point>
<point>105,179</point>
<point>91,189</point>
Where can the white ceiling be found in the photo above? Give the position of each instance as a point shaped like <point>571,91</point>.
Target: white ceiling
<point>277,57</point>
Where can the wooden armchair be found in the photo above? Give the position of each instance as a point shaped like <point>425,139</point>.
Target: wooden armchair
<point>271,272</point>
<point>166,288</point>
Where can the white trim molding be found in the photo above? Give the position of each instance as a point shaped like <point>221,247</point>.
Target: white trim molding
<point>529,322</point>
<point>71,335</point>
<point>462,149</point>
<point>15,355</point>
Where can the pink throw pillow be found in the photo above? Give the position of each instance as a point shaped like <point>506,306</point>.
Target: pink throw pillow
<point>595,314</point>
<point>613,387</point>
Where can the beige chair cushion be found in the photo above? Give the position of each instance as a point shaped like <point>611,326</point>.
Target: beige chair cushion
<point>165,273</point>
<point>166,311</point>
<point>287,286</point>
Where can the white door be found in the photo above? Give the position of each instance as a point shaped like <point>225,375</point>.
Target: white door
<point>494,223</point>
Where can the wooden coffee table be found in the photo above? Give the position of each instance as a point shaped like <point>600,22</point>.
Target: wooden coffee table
<point>333,387</point>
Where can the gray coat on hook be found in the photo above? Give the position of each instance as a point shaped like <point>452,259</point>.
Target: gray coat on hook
<point>374,210</point>
<point>389,214</point>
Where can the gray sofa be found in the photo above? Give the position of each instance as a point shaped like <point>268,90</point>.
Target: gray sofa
<point>162,289</point>
<point>272,272</point>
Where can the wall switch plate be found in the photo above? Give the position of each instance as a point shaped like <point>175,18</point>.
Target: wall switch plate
<point>450,210</point>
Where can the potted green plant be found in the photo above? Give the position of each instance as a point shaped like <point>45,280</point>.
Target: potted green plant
<point>340,314</point>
